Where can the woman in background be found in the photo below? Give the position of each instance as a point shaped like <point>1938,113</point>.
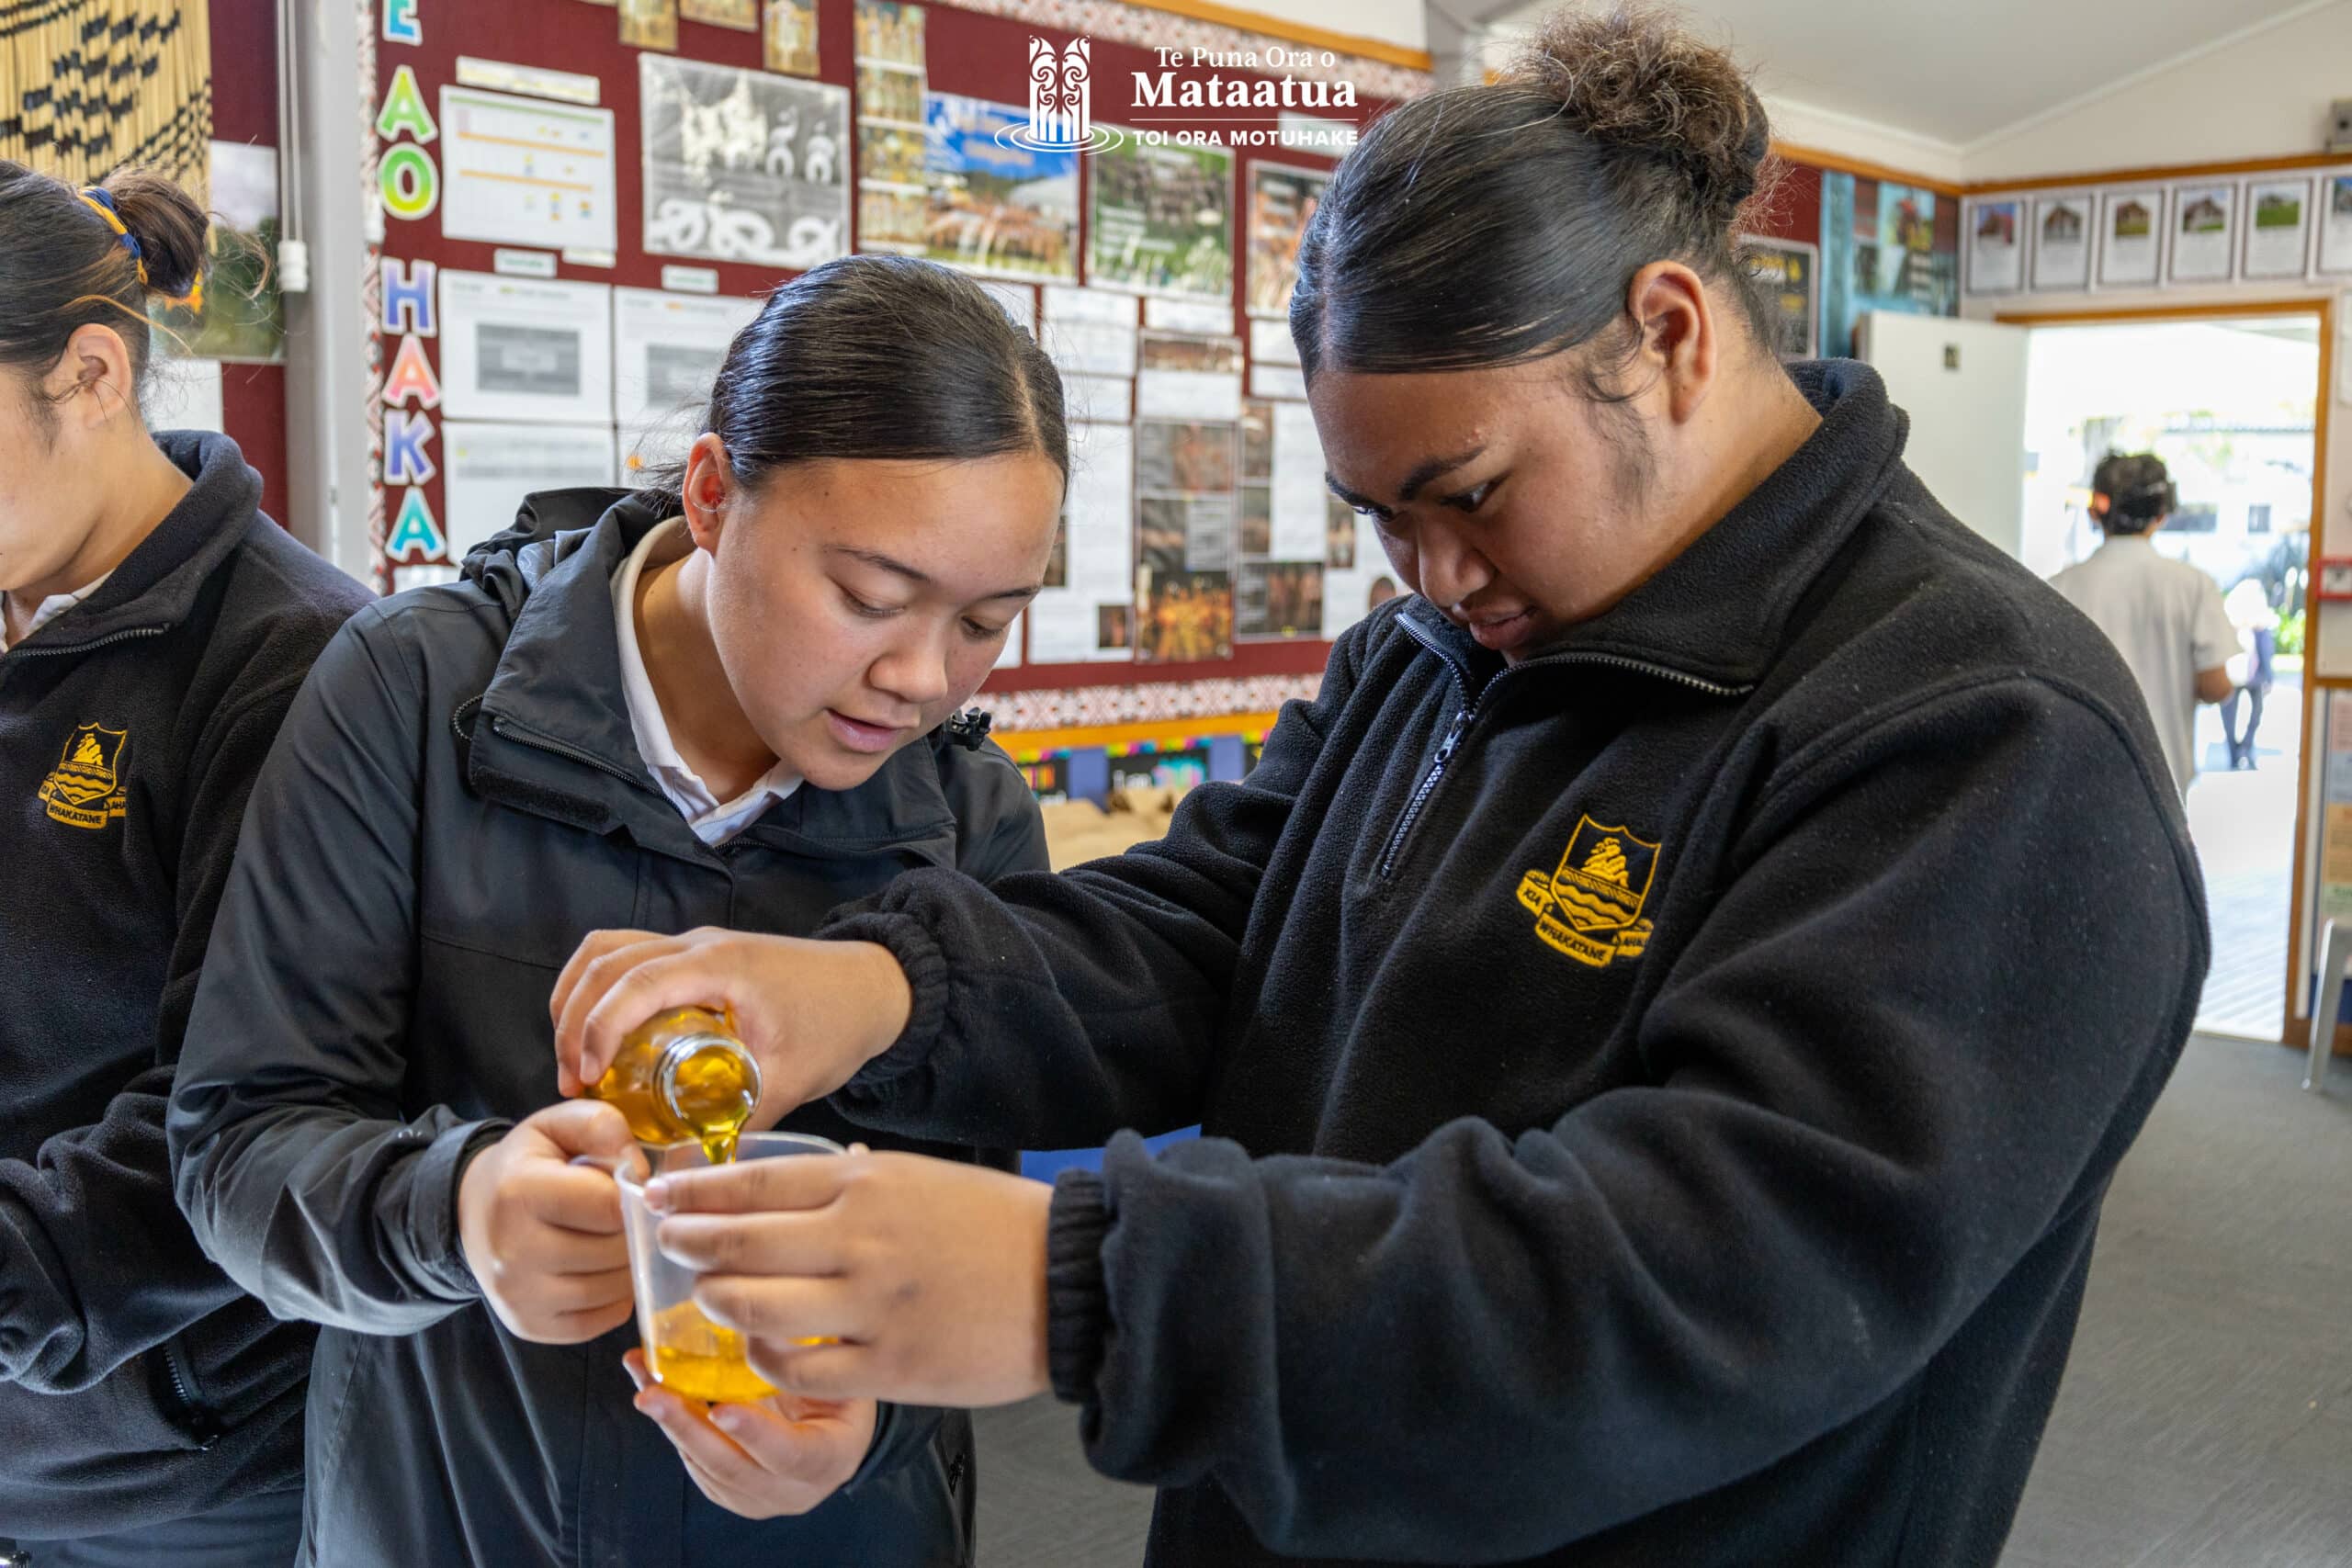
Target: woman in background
<point>153,627</point>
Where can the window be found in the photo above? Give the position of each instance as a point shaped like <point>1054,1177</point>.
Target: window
<point>2257,518</point>
<point>2194,520</point>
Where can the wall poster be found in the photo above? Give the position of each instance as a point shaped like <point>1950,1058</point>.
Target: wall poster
<point>1789,271</point>
<point>2277,229</point>
<point>1883,247</point>
<point>788,40</point>
<point>1282,202</point>
<point>1996,246</point>
<point>992,206</point>
<point>1163,220</point>
<point>2061,242</point>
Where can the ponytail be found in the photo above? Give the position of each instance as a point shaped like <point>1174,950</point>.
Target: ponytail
<point>71,258</point>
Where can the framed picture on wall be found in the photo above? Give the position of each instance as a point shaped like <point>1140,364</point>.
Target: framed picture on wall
<point>2204,247</point>
<point>2277,225</point>
<point>2131,238</point>
<point>2331,215</point>
<point>1993,241</point>
<point>1789,271</point>
<point>2061,242</point>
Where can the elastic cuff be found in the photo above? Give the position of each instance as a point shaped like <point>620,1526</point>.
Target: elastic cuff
<point>1078,1299</point>
<point>440,1177</point>
<point>926,970</point>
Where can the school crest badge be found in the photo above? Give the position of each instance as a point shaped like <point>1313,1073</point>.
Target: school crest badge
<point>85,789</point>
<point>1589,907</point>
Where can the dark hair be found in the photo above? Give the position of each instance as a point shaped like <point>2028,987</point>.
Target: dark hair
<point>1497,224</point>
<point>63,267</point>
<point>2139,492</point>
<point>880,356</point>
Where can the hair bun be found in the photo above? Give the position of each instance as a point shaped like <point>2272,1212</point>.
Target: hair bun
<point>168,224</point>
<point>1635,78</point>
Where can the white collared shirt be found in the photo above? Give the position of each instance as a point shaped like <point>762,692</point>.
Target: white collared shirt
<point>50,609</point>
<point>2165,617</point>
<point>714,821</point>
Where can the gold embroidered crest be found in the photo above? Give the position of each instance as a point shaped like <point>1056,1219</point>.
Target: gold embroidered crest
<point>85,790</point>
<point>1590,905</point>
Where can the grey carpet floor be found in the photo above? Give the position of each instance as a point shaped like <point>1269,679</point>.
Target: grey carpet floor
<point>2206,1416</point>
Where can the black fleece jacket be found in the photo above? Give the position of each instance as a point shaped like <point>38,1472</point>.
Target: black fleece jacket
<point>1658,1096</point>
<point>131,728</point>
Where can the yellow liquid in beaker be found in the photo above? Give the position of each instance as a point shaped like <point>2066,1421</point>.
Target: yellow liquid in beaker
<point>702,1359</point>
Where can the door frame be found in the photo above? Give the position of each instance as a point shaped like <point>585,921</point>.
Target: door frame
<point>2324,306</point>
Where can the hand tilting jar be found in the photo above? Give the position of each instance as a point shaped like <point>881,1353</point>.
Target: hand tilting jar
<point>683,1075</point>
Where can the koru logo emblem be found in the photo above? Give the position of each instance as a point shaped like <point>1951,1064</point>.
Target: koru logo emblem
<point>85,789</point>
<point>1590,905</point>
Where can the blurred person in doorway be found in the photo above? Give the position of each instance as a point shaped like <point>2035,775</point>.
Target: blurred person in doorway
<point>2165,616</point>
<point>2250,669</point>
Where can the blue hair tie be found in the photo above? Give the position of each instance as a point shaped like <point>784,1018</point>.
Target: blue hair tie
<point>102,204</point>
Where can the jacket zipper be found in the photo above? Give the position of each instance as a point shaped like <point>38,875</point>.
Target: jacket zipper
<point>21,652</point>
<point>1445,750</point>
<point>198,1421</point>
<point>1449,747</point>
<point>507,729</point>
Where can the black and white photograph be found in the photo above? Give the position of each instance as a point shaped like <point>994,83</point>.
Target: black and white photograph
<point>742,165</point>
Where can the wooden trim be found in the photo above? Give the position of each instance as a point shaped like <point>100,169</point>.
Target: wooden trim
<point>2311,755</point>
<point>2161,171</point>
<point>1838,163</point>
<point>1028,745</point>
<point>2320,305</point>
<point>1293,32</point>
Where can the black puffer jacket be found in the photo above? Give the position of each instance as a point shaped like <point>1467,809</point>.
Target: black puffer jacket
<point>455,801</point>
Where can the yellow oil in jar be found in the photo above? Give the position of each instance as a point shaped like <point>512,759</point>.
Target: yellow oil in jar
<point>703,1359</point>
<point>683,1075</point>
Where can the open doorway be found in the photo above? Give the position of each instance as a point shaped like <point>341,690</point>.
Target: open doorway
<point>2231,405</point>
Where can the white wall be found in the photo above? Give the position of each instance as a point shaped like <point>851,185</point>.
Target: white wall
<point>2265,96</point>
<point>1799,124</point>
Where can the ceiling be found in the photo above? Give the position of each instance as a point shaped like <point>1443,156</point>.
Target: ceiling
<point>1959,73</point>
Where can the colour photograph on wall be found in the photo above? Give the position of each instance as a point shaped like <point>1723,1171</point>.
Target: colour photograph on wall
<point>788,41</point>
<point>1278,599</point>
<point>649,24</point>
<point>1883,247</point>
<point>1996,246</point>
<point>2277,228</point>
<point>2335,225</point>
<point>744,15</point>
<point>2131,238</point>
<point>883,30</point>
<point>742,165</point>
<point>1281,200</point>
<point>2061,242</point>
<point>1186,615</point>
<point>993,206</point>
<point>1163,220</point>
<point>1789,271</point>
<point>241,315</point>
<point>2204,233</point>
